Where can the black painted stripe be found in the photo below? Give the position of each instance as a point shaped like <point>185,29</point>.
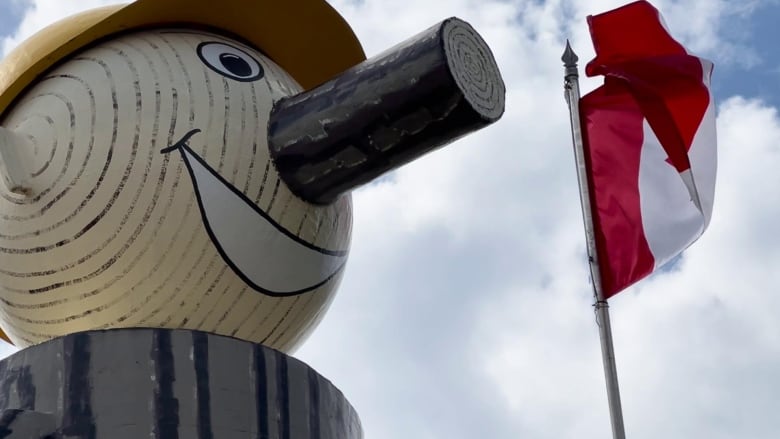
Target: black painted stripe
<point>341,416</point>
<point>263,182</point>
<point>78,420</point>
<point>225,119</point>
<point>200,356</point>
<point>7,420</point>
<point>332,230</point>
<point>21,379</point>
<point>302,223</point>
<point>261,392</point>
<point>273,197</point>
<point>25,388</point>
<point>317,235</point>
<point>5,385</point>
<point>285,209</point>
<point>241,141</point>
<point>282,395</point>
<point>314,404</point>
<point>183,71</point>
<point>255,115</point>
<point>166,405</point>
<point>212,104</point>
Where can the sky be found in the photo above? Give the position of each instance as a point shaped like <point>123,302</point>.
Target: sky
<point>466,309</point>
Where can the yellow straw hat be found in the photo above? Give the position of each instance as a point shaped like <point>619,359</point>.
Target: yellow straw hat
<point>307,38</point>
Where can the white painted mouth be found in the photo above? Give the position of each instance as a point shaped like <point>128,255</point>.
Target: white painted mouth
<point>268,257</point>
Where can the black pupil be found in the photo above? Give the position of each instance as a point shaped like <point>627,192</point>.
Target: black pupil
<point>235,64</point>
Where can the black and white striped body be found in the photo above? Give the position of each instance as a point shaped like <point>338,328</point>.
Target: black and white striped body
<point>167,384</point>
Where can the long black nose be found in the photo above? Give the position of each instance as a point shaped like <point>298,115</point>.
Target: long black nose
<point>387,111</point>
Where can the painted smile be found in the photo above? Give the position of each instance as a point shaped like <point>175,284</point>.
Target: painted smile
<point>265,255</point>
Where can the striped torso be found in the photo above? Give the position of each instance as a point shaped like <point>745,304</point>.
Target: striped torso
<point>167,384</point>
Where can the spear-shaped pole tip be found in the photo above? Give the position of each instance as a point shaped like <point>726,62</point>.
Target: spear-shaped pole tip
<point>570,59</point>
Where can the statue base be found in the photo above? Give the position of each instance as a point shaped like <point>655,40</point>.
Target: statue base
<point>166,384</point>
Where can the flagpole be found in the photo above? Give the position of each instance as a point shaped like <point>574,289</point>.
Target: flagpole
<point>572,90</point>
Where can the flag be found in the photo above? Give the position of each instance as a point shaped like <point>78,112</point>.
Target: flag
<point>650,144</point>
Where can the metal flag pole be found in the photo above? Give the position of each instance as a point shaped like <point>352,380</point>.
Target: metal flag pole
<point>572,91</point>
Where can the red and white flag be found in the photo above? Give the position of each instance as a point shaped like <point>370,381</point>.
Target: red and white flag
<point>650,144</point>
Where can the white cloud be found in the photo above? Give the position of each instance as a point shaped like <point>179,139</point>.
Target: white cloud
<point>502,207</point>
<point>697,349</point>
<point>46,12</point>
<point>465,309</point>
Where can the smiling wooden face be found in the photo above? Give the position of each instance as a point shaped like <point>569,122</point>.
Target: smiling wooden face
<point>154,202</point>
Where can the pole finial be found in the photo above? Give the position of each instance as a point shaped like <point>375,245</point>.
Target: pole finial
<point>570,59</point>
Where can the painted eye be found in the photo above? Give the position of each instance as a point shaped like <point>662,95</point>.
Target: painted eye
<point>230,61</point>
